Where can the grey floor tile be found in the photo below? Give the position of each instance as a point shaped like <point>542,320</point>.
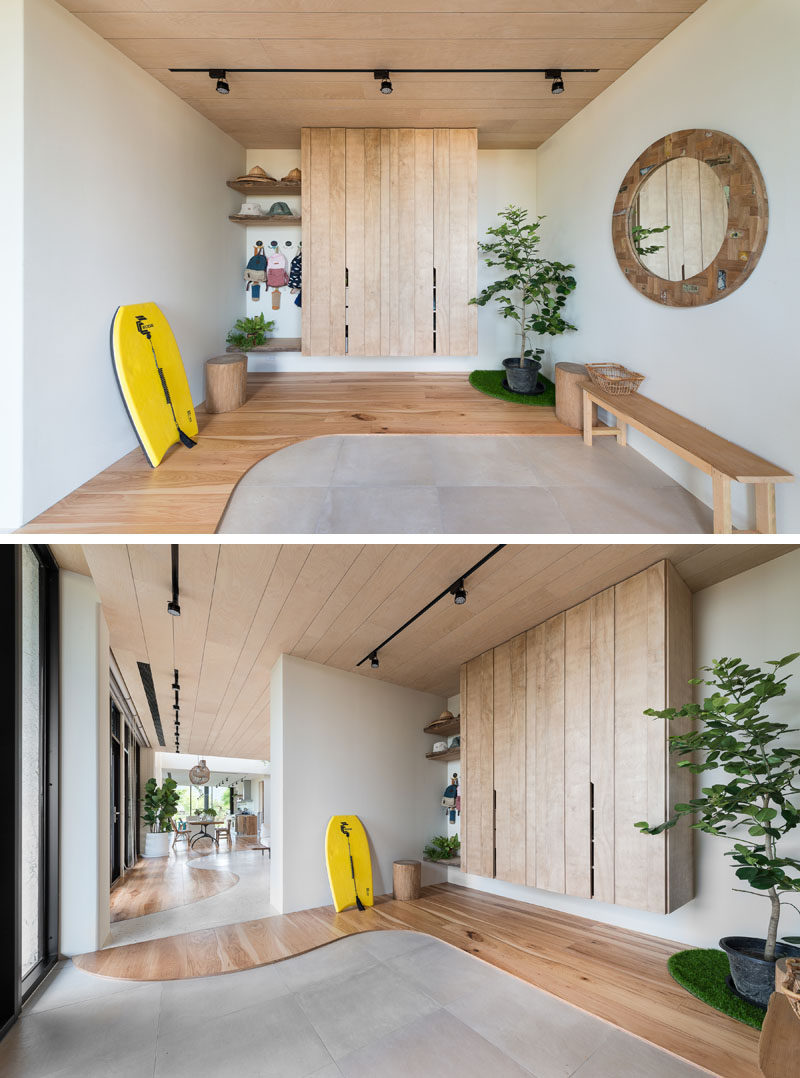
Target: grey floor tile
<point>633,509</point>
<point>266,510</point>
<point>305,464</point>
<point>272,1041</point>
<point>384,460</point>
<point>445,973</point>
<point>500,509</point>
<point>467,460</point>
<point>341,958</point>
<point>67,984</point>
<point>625,1056</point>
<point>380,510</point>
<point>349,1012</point>
<point>550,1038</point>
<point>385,945</point>
<point>186,1003</point>
<point>568,462</point>
<point>434,1044</point>
<point>117,1031</point>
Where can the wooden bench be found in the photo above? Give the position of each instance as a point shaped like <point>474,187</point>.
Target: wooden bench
<point>716,456</point>
<point>258,846</point>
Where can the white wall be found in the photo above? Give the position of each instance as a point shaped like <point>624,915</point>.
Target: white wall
<point>84,794</point>
<point>11,304</point>
<point>730,366</point>
<point>125,201</point>
<point>754,616</point>
<point>343,743</point>
<point>504,176</point>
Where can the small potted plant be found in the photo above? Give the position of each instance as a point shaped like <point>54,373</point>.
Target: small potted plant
<point>531,290</point>
<point>442,848</point>
<point>249,333</point>
<point>753,806</point>
<point>160,805</point>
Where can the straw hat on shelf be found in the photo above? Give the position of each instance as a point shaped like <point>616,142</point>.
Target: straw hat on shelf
<point>257,175</point>
<point>292,177</point>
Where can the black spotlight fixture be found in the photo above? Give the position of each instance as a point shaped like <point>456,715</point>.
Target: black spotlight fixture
<point>385,81</point>
<point>174,606</point>
<point>459,593</point>
<point>222,82</point>
<point>374,662</point>
<point>558,80</point>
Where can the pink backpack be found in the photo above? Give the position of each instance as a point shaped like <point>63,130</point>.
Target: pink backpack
<point>277,276</point>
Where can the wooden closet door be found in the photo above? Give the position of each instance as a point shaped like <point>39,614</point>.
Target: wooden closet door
<point>640,751</point>
<point>545,755</point>
<point>455,252</point>
<point>577,750</point>
<point>323,162</point>
<point>602,742</point>
<point>509,759</point>
<point>363,240</point>
<point>477,778</point>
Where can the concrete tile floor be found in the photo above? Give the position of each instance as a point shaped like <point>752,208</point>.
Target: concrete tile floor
<point>451,484</point>
<point>396,1004</point>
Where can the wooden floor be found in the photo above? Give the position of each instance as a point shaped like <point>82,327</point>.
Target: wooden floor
<point>189,490</point>
<point>157,883</point>
<point>617,975</point>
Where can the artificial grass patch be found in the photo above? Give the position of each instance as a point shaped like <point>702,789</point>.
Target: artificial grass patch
<point>491,383</point>
<point>703,973</point>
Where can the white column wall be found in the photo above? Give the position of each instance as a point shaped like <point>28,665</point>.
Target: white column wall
<point>341,744</point>
<point>754,616</point>
<point>730,366</point>
<point>84,795</point>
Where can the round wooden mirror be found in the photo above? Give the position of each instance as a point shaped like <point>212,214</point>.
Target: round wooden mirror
<point>690,220</point>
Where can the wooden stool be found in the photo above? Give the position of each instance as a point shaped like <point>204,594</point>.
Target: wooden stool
<point>569,402</point>
<point>407,876</point>
<point>226,382</point>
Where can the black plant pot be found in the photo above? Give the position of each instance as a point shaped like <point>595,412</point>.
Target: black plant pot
<point>523,379</point>
<point>753,977</point>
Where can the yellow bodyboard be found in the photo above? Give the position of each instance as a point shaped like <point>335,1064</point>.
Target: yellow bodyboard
<point>337,857</point>
<point>152,379</point>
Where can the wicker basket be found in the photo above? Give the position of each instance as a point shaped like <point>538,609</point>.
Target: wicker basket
<point>791,985</point>
<point>614,378</point>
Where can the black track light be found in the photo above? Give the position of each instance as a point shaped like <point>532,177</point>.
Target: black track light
<point>558,80</point>
<point>459,593</point>
<point>222,83</point>
<point>374,662</point>
<point>385,81</point>
<point>174,606</point>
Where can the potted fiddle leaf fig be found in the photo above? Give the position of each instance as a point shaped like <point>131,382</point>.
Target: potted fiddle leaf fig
<point>160,803</point>
<point>530,290</point>
<point>753,806</point>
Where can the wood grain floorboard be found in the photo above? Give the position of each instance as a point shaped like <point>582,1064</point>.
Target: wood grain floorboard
<point>157,883</point>
<point>189,490</point>
<point>616,975</point>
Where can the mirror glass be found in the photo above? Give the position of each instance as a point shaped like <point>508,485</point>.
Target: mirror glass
<point>679,218</point>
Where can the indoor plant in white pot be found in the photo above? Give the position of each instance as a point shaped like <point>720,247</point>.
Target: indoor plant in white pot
<point>532,291</point>
<point>160,805</point>
<point>753,807</point>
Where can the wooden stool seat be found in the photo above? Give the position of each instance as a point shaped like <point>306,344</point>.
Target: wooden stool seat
<point>569,395</point>
<point>724,461</point>
<point>226,382</point>
<point>407,878</point>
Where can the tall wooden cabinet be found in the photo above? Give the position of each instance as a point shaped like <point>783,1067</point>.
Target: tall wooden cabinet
<point>558,760</point>
<point>389,241</point>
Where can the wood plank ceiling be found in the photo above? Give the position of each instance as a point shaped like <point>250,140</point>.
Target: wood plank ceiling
<point>267,111</point>
<point>244,605</point>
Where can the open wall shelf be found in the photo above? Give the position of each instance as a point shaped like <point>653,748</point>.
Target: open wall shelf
<point>264,187</point>
<point>274,344</point>
<point>269,218</point>
<point>448,754</point>
<point>445,729</point>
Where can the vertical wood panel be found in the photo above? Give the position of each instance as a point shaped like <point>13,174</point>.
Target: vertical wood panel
<point>307,213</point>
<point>639,778</point>
<point>405,262</point>
<point>478,794</point>
<point>459,240</point>
<point>317,236</point>
<point>680,781</point>
<point>509,759</point>
<point>471,138</point>
<point>577,750</point>
<point>372,242</point>
<point>386,241</point>
<point>355,198</point>
<point>534,699</point>
<point>422,251</point>
<point>602,739</point>
<point>464,778</point>
<point>549,734</point>
<point>337,241</point>
<point>441,237</point>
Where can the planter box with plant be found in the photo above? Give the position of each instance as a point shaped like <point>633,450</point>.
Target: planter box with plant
<point>160,805</point>
<point>532,291</point>
<point>442,848</point>
<point>249,333</point>
<point>753,807</point>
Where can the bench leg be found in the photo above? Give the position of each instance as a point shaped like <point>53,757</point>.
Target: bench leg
<point>622,432</point>
<point>765,509</point>
<point>587,419</point>
<point>723,523</point>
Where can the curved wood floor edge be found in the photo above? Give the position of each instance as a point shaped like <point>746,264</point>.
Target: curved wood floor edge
<point>149,887</point>
<point>616,975</point>
<point>189,491</point>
